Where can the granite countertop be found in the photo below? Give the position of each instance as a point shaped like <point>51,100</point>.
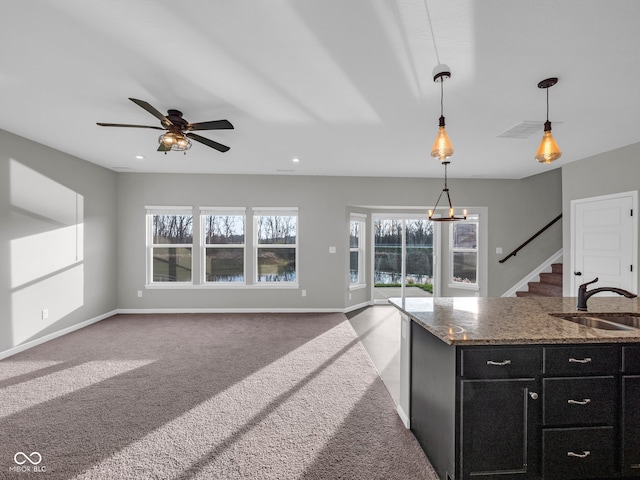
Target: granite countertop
<point>511,320</point>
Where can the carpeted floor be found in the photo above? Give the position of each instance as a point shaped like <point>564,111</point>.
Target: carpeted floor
<point>220,396</point>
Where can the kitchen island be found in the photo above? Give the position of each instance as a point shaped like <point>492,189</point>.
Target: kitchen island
<point>500,388</point>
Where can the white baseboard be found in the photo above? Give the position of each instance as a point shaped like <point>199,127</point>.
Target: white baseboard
<point>532,276</point>
<point>404,417</point>
<point>228,310</point>
<point>51,336</point>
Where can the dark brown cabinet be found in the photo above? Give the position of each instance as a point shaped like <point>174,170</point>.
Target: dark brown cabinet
<point>499,428</point>
<point>630,415</point>
<point>580,412</point>
<point>526,411</point>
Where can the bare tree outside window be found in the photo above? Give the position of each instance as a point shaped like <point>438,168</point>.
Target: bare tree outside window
<point>171,263</point>
<point>276,245</point>
<point>464,252</point>
<point>224,238</point>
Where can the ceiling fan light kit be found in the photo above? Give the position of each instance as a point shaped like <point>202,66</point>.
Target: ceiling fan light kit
<point>548,151</point>
<point>179,130</point>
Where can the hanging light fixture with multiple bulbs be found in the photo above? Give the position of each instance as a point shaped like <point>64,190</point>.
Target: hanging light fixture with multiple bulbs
<point>548,151</point>
<point>442,148</point>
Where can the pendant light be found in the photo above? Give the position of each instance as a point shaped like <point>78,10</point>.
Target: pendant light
<point>451,217</point>
<point>442,148</point>
<point>548,151</point>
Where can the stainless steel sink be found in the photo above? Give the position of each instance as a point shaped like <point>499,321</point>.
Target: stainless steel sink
<point>603,321</point>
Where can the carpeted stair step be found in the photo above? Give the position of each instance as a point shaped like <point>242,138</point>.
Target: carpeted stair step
<point>551,278</point>
<point>550,284</point>
<point>545,289</point>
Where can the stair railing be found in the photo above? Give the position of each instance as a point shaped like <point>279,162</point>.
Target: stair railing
<point>513,254</point>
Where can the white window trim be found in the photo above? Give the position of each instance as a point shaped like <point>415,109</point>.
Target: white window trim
<point>152,210</point>
<point>474,218</point>
<point>361,249</point>
<point>209,211</point>
<point>275,211</point>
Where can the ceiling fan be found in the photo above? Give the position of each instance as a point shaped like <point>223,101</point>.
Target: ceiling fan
<point>178,129</point>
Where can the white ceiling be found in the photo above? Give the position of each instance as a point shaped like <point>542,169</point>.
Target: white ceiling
<point>344,85</point>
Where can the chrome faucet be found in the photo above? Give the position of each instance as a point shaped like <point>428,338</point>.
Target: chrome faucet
<point>583,295</point>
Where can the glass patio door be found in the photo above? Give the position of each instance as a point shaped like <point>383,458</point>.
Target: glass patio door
<point>403,257</point>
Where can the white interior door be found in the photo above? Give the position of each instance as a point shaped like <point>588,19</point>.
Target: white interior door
<point>604,242</point>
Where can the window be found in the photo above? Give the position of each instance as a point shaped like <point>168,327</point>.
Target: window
<point>356,250</point>
<point>464,253</point>
<point>169,244</point>
<point>276,245</point>
<point>223,245</point>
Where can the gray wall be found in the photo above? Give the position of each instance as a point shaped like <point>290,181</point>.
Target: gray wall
<point>57,240</point>
<point>516,209</point>
<point>615,171</point>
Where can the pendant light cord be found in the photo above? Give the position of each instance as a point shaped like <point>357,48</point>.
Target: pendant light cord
<point>432,34</point>
<point>547,104</point>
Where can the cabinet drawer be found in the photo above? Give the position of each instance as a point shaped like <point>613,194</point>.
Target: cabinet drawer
<point>579,401</point>
<point>500,362</point>
<point>578,453</point>
<point>631,359</point>
<point>582,360</point>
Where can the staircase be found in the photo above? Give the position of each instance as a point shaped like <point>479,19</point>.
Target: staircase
<point>550,284</point>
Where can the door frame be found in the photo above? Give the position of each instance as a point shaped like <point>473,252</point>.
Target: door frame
<point>634,241</point>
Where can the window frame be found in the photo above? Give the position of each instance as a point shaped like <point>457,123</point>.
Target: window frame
<point>277,212</point>
<point>360,250</point>
<point>471,219</point>
<point>152,211</point>
<point>221,211</point>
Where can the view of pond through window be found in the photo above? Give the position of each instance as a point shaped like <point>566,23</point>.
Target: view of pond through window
<point>396,239</point>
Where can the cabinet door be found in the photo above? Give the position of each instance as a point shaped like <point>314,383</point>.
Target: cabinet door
<point>500,422</point>
<point>631,425</point>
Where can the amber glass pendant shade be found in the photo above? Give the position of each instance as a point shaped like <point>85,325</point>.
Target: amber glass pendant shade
<point>442,148</point>
<point>548,151</point>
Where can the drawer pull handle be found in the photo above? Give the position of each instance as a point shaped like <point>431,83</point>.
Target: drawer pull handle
<point>499,364</point>
<point>635,465</point>
<point>578,402</point>
<point>576,360</point>
<point>584,454</point>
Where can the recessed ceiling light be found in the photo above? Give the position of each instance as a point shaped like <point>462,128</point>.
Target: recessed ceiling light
<point>139,157</point>
<point>295,160</point>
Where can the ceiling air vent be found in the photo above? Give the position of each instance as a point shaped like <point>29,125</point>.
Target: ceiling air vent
<point>525,129</point>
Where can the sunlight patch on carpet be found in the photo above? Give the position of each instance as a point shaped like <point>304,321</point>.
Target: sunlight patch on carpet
<point>11,369</point>
<point>24,395</point>
<point>280,418</point>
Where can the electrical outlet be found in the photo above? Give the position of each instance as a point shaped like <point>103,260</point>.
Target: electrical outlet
<point>304,293</point>
<point>349,296</point>
<point>45,313</point>
<point>139,293</point>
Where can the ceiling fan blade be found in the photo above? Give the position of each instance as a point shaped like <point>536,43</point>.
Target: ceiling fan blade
<point>207,142</point>
<point>152,110</point>
<point>213,125</point>
<point>163,148</point>
<point>126,125</point>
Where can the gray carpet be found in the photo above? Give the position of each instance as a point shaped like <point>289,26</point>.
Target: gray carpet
<point>220,396</point>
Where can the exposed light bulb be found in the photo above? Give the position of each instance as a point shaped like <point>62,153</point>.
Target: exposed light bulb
<point>442,148</point>
<point>548,151</point>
